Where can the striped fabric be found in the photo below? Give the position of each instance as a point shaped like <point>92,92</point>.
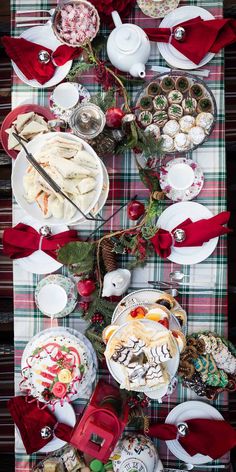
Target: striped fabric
<point>204,311</point>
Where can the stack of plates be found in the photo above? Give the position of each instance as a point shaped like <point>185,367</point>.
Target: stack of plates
<point>19,170</point>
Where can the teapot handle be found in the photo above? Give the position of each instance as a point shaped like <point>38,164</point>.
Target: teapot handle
<point>116,18</point>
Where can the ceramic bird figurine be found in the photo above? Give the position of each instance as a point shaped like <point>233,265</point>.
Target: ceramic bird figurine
<point>116,282</point>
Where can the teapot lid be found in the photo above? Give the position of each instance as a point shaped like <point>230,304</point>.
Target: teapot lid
<point>127,38</point>
<point>133,465</point>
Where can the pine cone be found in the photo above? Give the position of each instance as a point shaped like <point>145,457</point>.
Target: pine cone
<point>103,144</point>
<point>158,195</point>
<point>108,257</point>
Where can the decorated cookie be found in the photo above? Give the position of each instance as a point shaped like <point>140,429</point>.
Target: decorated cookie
<point>154,89</point>
<point>182,142</point>
<point>167,143</point>
<point>205,120</point>
<point>196,135</point>
<point>175,96</point>
<point>189,105</point>
<point>154,130</point>
<point>160,118</point>
<point>145,118</point>
<point>182,84</point>
<point>146,103</point>
<point>167,84</point>
<point>175,112</point>
<point>160,102</point>
<point>171,128</point>
<point>186,123</point>
<point>204,105</point>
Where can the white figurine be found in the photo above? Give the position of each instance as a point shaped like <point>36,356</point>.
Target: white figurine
<point>116,282</point>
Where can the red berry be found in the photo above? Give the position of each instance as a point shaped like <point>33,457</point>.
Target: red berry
<point>114,117</point>
<point>164,322</point>
<point>135,209</point>
<point>86,287</point>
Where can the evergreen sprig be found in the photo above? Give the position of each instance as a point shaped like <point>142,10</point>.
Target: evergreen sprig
<point>77,69</point>
<point>104,100</point>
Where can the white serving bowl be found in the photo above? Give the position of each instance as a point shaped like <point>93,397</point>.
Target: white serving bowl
<point>19,170</point>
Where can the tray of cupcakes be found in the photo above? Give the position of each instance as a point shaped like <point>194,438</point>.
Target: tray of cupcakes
<point>180,109</point>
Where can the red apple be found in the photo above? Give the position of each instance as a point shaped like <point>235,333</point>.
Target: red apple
<point>86,287</point>
<point>135,209</point>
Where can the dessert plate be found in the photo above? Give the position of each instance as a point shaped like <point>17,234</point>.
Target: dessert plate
<point>157,9</point>
<point>181,179</point>
<point>39,262</point>
<point>123,317</point>
<point>186,411</point>
<point>177,213</point>
<point>42,111</point>
<point>44,36</point>
<point>117,371</point>
<point>168,52</point>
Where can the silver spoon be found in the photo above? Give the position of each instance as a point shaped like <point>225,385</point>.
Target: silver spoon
<point>178,276</point>
<point>203,466</point>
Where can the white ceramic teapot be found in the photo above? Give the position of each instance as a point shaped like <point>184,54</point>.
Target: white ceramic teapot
<point>128,47</point>
<point>136,453</point>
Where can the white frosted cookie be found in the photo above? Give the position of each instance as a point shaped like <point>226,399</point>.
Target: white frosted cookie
<point>196,135</point>
<point>171,128</point>
<point>186,123</point>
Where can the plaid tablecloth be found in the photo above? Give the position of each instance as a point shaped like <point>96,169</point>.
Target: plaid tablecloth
<point>205,311</point>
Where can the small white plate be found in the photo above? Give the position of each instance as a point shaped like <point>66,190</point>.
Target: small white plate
<point>181,179</point>
<point>56,296</point>
<point>186,411</point>
<point>169,52</point>
<point>39,262</point>
<point>176,214</point>
<point>64,414</point>
<point>44,36</point>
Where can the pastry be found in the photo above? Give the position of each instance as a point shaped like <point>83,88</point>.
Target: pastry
<point>160,118</point>
<point>160,314</point>
<point>146,103</point>
<point>175,112</point>
<point>167,143</point>
<point>197,91</point>
<point>205,120</point>
<point>182,142</point>
<point>186,123</point>
<point>182,84</point>
<point>71,459</point>
<point>204,104</point>
<point>175,96</point>
<point>167,84</point>
<point>171,128</point>
<point>145,118</point>
<point>160,102</point>
<point>181,340</point>
<point>181,316</point>
<point>196,135</point>
<point>189,105</point>
<point>153,130</point>
<point>166,300</point>
<point>52,465</point>
<point>153,89</point>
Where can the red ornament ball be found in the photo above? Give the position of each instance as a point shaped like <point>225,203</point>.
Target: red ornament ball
<point>114,117</point>
<point>86,287</point>
<point>135,209</point>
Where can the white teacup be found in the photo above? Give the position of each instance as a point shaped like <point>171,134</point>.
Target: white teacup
<point>66,95</point>
<point>52,299</point>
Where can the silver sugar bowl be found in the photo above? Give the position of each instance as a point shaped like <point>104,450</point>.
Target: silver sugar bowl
<point>87,121</point>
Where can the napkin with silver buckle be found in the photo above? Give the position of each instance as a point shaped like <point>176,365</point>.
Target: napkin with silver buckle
<point>190,233</point>
<point>36,61</point>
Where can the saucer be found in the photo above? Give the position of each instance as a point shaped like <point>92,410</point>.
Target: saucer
<point>157,8</point>
<point>181,179</point>
<point>56,296</point>
<point>65,113</point>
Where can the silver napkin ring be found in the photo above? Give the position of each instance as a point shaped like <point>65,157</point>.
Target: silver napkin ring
<point>44,57</point>
<point>179,235</point>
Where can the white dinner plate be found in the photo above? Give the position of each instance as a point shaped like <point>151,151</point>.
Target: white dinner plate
<point>169,52</point>
<point>176,214</point>
<point>39,262</point>
<point>44,36</point>
<point>19,169</point>
<point>171,365</point>
<point>186,411</point>
<point>64,414</point>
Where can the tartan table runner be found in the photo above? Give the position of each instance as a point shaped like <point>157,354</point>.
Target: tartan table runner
<point>205,311</point>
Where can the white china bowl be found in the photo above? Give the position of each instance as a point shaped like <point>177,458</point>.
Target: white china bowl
<point>19,170</point>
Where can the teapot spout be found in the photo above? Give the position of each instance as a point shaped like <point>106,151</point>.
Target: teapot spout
<point>138,70</point>
<point>116,18</point>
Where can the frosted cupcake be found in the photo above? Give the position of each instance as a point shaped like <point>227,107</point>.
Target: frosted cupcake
<point>145,118</point>
<point>160,102</point>
<point>160,118</point>
<point>196,135</point>
<point>205,120</point>
<point>153,130</point>
<point>189,105</point>
<point>186,123</point>
<point>175,112</point>
<point>175,96</point>
<point>182,142</point>
<point>171,128</point>
<point>167,143</point>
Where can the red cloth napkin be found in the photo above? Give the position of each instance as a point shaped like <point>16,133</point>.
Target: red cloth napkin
<point>25,54</point>
<point>208,437</point>
<point>200,38</point>
<point>22,240</point>
<point>30,417</point>
<point>196,233</point>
